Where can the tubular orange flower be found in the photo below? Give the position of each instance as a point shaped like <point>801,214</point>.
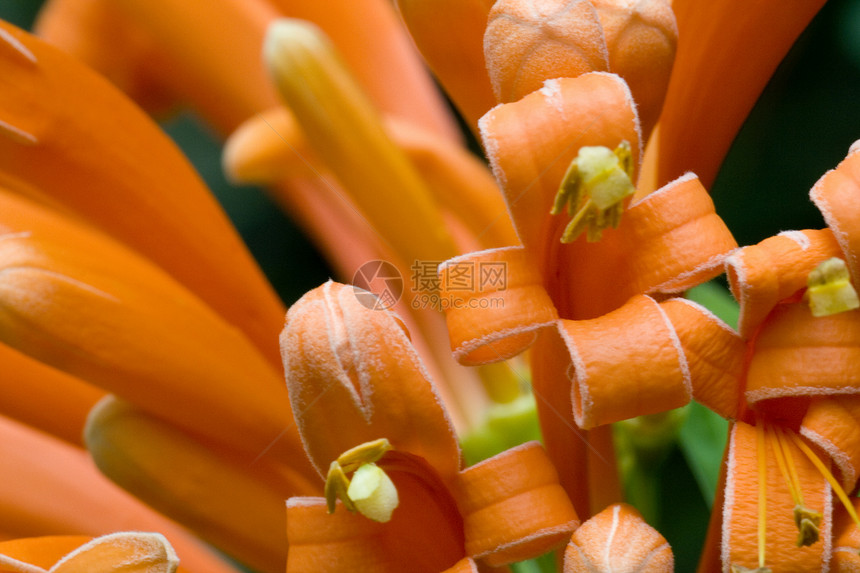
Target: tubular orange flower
<point>788,373</point>
<point>348,363</point>
<point>665,243</point>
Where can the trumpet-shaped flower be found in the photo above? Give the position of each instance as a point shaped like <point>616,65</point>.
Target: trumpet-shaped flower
<point>788,379</point>
<point>365,404</point>
<point>607,349</point>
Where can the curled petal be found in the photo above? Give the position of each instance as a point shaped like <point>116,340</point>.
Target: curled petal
<point>529,42</point>
<point>673,239</point>
<point>762,275</point>
<point>833,424</point>
<point>513,506</point>
<point>319,542</point>
<point>425,534</point>
<point>531,143</point>
<point>837,196</point>
<point>354,377</point>
<point>714,352</point>
<point>624,364</point>
<point>741,513</point>
<point>797,354</point>
<point>496,316</point>
<point>618,539</point>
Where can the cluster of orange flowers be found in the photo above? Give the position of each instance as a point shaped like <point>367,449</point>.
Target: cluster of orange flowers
<point>138,333</point>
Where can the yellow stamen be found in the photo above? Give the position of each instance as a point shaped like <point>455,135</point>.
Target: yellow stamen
<point>366,453</point>
<point>593,189</point>
<point>830,290</point>
<point>819,465</point>
<point>370,491</point>
<point>761,456</point>
<point>346,132</point>
<point>808,521</point>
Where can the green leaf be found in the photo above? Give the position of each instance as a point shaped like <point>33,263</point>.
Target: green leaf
<point>702,441</point>
<point>716,298</point>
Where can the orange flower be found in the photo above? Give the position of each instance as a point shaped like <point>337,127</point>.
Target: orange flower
<point>606,348</point>
<point>364,403</point>
<point>137,552</point>
<point>789,380</point>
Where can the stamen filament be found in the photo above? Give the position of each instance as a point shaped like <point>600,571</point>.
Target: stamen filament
<point>819,465</point>
<point>761,456</point>
<point>790,479</point>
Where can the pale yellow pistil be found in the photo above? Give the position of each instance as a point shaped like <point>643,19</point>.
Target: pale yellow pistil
<point>830,290</point>
<point>370,491</point>
<point>593,189</point>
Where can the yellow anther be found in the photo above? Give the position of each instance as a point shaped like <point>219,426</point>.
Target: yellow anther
<point>830,290</point>
<point>373,493</point>
<point>366,453</point>
<point>593,189</point>
<point>336,486</point>
<point>741,569</point>
<point>808,523</point>
<point>370,491</point>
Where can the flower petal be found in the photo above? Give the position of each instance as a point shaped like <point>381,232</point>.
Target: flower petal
<point>232,501</point>
<point>715,81</point>
<point>383,59</point>
<point>797,354</point>
<point>99,34</point>
<point>836,196</point>
<point>78,301</point>
<point>624,364</point>
<point>354,377</point>
<point>715,355</point>
<point>495,317</point>
<point>95,154</point>
<point>740,513</point>
<point>449,35</point>
<point>641,37</point>
<point>82,500</point>
<point>618,539</point>
<point>44,397</point>
<point>529,42</point>
<point>513,506</point>
<point>121,552</point>
<point>846,541</point>
<point>833,424</point>
<point>775,269</point>
<point>530,144</point>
